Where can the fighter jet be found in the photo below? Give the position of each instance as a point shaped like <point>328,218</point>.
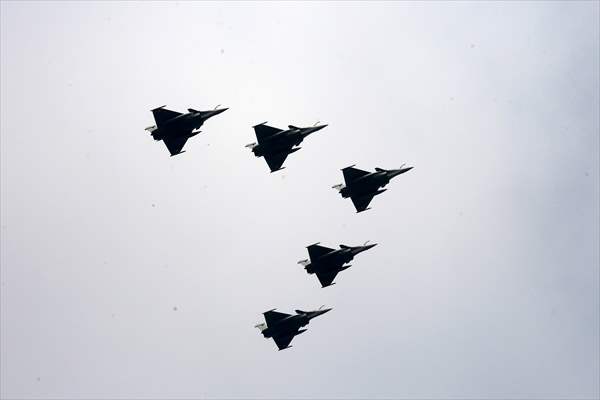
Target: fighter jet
<point>361,186</point>
<point>283,327</point>
<point>175,128</point>
<point>326,262</point>
<point>276,144</point>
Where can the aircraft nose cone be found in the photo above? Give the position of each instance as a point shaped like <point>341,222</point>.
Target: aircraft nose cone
<point>320,312</point>
<point>360,249</point>
<point>315,128</point>
<point>396,172</point>
<point>208,114</point>
<point>220,110</point>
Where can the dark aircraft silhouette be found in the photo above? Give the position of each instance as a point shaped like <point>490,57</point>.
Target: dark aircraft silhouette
<point>283,327</point>
<point>276,144</point>
<point>175,128</point>
<point>361,186</point>
<point>326,262</point>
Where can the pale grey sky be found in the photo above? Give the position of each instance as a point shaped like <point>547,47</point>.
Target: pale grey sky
<point>486,280</point>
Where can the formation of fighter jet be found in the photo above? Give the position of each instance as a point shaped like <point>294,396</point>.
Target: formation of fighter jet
<point>361,186</point>
<point>276,144</point>
<point>175,128</point>
<point>283,327</point>
<point>326,263</point>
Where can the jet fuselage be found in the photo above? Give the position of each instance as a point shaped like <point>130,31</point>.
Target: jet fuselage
<point>287,325</point>
<point>283,141</point>
<point>293,323</point>
<point>335,260</point>
<point>371,183</point>
<point>184,124</point>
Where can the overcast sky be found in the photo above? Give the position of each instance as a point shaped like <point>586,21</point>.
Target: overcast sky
<point>126,273</point>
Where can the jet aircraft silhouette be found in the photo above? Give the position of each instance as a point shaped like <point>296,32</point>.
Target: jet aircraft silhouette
<point>326,263</point>
<point>175,128</point>
<point>276,144</point>
<point>361,186</point>
<point>283,327</point>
